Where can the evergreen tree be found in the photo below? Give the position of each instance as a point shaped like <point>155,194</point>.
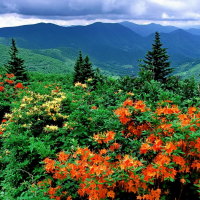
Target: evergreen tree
<point>83,69</point>
<point>78,69</point>
<point>87,70</point>
<point>157,62</point>
<point>16,65</point>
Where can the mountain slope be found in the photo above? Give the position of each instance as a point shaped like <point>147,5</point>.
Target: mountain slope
<point>148,29</point>
<point>112,47</point>
<point>38,62</point>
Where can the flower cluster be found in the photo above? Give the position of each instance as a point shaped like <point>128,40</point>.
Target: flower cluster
<point>167,152</point>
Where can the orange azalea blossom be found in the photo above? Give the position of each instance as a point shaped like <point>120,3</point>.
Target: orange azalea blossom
<point>168,110</point>
<point>150,172</point>
<point>192,110</point>
<point>19,86</point>
<point>145,148</point>
<point>196,164</point>
<point>60,173</point>
<point>94,107</point>
<point>170,147</point>
<point>115,146</point>
<point>103,151</point>
<point>69,198</point>
<point>105,137</point>
<point>1,83</point>
<point>9,81</point>
<point>10,75</point>
<point>128,162</point>
<point>111,194</point>
<point>62,156</point>
<point>1,88</point>
<point>151,138</point>
<point>154,195</point>
<point>123,114</point>
<point>182,180</point>
<point>167,130</point>
<point>50,164</point>
<point>128,102</point>
<point>157,145</point>
<point>184,119</point>
<point>162,159</point>
<point>178,160</point>
<point>45,182</point>
<point>140,105</point>
<point>137,129</point>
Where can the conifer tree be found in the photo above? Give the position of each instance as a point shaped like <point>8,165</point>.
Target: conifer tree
<point>87,70</point>
<point>16,65</point>
<point>83,69</point>
<point>157,62</point>
<point>78,69</point>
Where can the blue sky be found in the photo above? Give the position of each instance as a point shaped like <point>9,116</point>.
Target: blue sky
<point>75,12</point>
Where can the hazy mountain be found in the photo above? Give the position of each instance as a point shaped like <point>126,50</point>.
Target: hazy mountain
<point>194,31</point>
<point>148,29</point>
<point>112,47</point>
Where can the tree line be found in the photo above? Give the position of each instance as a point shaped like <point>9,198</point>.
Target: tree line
<point>155,65</point>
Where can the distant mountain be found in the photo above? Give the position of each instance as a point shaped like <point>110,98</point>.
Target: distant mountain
<point>148,29</point>
<point>194,31</point>
<point>112,47</point>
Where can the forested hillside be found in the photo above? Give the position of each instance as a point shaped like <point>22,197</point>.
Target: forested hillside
<point>114,48</point>
<point>84,135</point>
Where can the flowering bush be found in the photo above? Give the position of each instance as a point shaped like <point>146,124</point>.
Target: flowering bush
<point>163,164</point>
<point>9,89</point>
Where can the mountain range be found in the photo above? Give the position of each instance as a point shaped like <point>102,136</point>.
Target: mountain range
<point>113,47</point>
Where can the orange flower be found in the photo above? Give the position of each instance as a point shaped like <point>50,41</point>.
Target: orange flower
<point>179,160</point>
<point>9,81</point>
<point>157,145</point>
<point>161,159</point>
<point>62,156</point>
<point>94,107</point>
<point>182,180</point>
<point>19,86</point>
<point>128,102</point>
<point>144,148</point>
<point>10,75</point>
<point>69,198</point>
<point>196,164</point>
<point>123,115</point>
<point>170,147</point>
<point>115,146</point>
<point>111,194</point>
<point>50,164</point>
<point>191,110</point>
<point>1,88</point>
<point>139,105</point>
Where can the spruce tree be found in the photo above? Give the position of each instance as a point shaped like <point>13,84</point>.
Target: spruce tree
<point>157,61</point>
<point>87,70</point>
<point>83,69</point>
<point>16,65</point>
<point>78,69</point>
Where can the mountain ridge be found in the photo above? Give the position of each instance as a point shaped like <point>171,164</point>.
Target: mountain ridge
<point>111,46</point>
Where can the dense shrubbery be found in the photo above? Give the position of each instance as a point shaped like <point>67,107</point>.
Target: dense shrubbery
<point>73,133</point>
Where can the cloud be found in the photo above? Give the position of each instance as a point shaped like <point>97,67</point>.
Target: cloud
<point>92,10</point>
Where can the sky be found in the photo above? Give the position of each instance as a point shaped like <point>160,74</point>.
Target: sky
<point>180,13</point>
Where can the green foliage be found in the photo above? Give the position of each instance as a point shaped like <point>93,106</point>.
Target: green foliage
<point>53,115</point>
